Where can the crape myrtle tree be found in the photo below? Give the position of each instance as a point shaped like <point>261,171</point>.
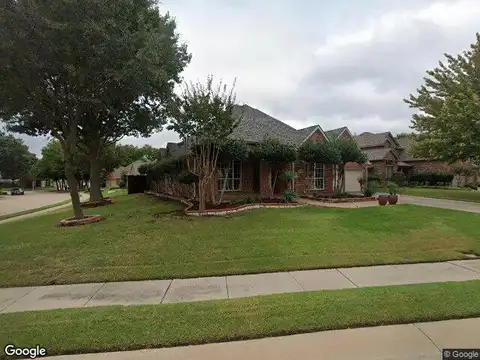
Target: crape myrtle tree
<point>323,153</point>
<point>202,116</point>
<point>349,152</point>
<point>448,104</point>
<point>276,154</point>
<point>91,70</point>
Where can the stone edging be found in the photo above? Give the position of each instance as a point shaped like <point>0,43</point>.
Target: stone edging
<point>88,219</point>
<point>341,200</point>
<point>220,212</point>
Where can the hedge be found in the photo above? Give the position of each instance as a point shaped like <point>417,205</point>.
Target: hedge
<point>431,179</point>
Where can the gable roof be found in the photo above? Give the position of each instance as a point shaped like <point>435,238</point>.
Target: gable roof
<point>378,154</point>
<point>406,143</point>
<point>335,133</point>
<point>368,139</point>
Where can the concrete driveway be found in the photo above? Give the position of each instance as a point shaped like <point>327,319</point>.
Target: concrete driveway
<point>440,203</point>
<point>31,200</point>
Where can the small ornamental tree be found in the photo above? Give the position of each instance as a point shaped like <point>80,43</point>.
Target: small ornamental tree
<point>275,153</point>
<point>325,153</point>
<point>203,118</point>
<point>349,152</point>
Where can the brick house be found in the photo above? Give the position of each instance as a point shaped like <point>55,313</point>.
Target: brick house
<point>388,154</point>
<point>252,178</point>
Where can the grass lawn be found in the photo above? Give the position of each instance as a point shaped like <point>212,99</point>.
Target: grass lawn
<point>140,240</point>
<point>124,328</point>
<point>447,193</point>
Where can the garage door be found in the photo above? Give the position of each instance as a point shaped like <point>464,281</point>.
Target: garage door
<point>351,180</point>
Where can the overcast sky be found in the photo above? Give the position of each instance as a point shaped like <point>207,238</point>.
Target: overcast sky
<point>333,63</point>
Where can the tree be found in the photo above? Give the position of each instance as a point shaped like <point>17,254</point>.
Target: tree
<point>203,119</point>
<point>92,71</point>
<point>276,154</point>
<point>349,152</point>
<point>448,121</point>
<point>16,160</point>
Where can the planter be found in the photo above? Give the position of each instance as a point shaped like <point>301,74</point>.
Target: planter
<point>93,204</point>
<point>382,200</point>
<point>88,219</point>
<point>392,199</point>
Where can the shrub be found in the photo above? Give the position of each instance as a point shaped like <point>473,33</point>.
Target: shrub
<point>289,196</point>
<point>392,188</point>
<point>399,178</point>
<point>338,193</point>
<point>370,189</point>
<point>247,200</point>
<point>373,178</point>
<point>432,179</point>
<point>187,177</point>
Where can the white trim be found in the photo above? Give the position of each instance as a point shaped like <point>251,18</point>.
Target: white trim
<point>349,133</point>
<point>313,185</point>
<point>313,132</point>
<point>232,173</point>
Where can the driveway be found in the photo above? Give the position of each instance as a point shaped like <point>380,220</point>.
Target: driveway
<point>440,203</point>
<point>31,200</point>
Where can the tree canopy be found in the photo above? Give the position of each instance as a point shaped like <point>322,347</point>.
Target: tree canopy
<point>16,160</point>
<point>448,104</point>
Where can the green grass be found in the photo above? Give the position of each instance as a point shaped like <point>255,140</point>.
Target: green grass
<point>29,211</point>
<point>447,193</point>
<point>141,240</point>
<point>134,327</point>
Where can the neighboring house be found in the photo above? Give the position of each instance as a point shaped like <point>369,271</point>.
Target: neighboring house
<point>115,178</point>
<point>388,154</point>
<point>253,177</point>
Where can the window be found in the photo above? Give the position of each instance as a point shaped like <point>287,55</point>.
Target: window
<point>316,174</point>
<point>388,171</point>
<point>230,176</point>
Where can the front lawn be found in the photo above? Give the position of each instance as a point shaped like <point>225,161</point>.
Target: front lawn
<point>142,239</point>
<point>447,193</point>
<point>136,327</point>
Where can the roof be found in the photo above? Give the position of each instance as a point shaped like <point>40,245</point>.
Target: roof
<point>335,133</point>
<point>401,163</point>
<point>407,142</point>
<point>377,154</point>
<point>368,139</point>
<point>130,169</point>
<point>255,125</point>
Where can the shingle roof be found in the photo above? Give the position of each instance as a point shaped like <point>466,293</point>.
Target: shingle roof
<point>334,133</point>
<point>407,143</point>
<point>255,125</point>
<point>377,154</point>
<point>368,139</point>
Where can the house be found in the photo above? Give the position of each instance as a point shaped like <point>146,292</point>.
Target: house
<point>253,177</point>
<point>388,154</point>
<point>115,178</point>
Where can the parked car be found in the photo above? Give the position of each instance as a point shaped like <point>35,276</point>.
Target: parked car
<point>17,191</point>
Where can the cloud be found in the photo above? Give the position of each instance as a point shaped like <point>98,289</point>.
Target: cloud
<point>360,77</point>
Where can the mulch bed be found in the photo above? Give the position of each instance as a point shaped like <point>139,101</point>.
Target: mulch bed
<point>88,219</point>
<point>231,206</point>
<point>94,204</point>
<point>344,199</point>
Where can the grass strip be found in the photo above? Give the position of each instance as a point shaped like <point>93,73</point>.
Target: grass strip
<point>115,328</point>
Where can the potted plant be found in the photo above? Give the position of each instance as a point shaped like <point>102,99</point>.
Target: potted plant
<point>382,199</point>
<point>392,191</point>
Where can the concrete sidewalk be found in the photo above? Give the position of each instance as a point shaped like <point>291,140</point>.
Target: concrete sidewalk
<point>396,342</point>
<point>440,203</point>
<point>229,287</point>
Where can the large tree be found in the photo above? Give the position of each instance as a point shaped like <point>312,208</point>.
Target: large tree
<point>16,160</point>
<point>92,72</point>
<point>448,121</point>
<point>203,118</point>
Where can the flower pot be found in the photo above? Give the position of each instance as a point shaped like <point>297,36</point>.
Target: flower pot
<point>382,200</point>
<point>392,199</point>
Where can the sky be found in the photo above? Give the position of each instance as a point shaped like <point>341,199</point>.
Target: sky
<point>305,62</point>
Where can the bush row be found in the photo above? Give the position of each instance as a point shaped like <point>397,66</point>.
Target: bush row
<point>431,179</point>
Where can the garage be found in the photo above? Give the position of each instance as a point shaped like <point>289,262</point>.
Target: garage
<point>351,180</point>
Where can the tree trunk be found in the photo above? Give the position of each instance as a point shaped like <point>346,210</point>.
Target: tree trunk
<point>95,181</point>
<point>72,182</point>
<point>58,186</point>
<point>272,184</point>
<point>224,185</point>
<point>201,196</point>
